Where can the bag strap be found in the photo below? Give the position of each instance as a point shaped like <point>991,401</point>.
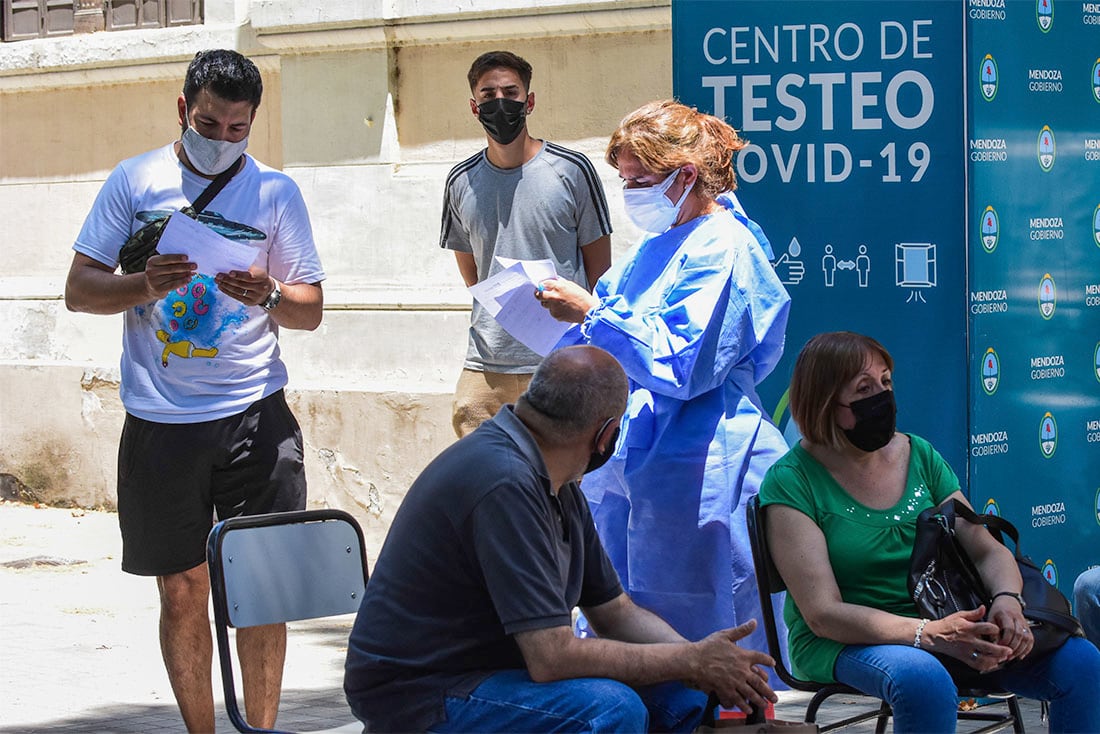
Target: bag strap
<point>1050,616</point>
<point>999,525</point>
<point>993,522</point>
<point>215,186</point>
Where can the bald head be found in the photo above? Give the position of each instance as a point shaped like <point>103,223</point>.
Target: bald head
<point>576,388</point>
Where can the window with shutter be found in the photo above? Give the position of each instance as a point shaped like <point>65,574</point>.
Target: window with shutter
<point>23,19</point>
<point>36,18</point>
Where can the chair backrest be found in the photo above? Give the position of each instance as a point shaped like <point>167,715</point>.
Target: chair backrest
<point>769,582</point>
<point>282,567</point>
<point>288,566</point>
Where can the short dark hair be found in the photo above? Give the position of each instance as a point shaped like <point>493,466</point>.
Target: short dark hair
<point>575,392</point>
<point>825,365</point>
<point>224,73</point>
<point>499,60</point>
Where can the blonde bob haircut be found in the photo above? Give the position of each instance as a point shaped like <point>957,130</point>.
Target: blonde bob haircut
<point>824,367</point>
<point>667,135</point>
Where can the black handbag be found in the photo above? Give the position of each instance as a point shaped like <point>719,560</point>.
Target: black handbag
<point>943,579</point>
<point>142,245</point>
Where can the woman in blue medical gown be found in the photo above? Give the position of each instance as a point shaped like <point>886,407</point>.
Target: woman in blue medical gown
<point>696,315</point>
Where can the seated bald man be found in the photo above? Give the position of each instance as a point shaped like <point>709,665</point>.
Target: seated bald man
<point>465,625</point>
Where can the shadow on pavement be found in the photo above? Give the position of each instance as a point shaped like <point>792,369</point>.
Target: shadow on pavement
<point>301,710</point>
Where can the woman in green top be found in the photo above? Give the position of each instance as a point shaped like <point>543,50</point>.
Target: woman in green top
<point>842,510</point>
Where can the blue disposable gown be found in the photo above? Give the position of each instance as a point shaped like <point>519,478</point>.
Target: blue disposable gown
<point>696,316</point>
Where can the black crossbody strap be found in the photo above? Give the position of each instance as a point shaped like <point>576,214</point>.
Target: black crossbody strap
<point>216,186</point>
<point>993,522</point>
<point>1051,616</point>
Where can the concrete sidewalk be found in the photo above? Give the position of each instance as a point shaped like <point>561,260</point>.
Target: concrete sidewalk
<point>79,650</point>
<point>78,637</point>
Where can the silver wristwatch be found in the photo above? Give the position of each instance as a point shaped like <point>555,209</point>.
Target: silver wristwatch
<point>273,298</point>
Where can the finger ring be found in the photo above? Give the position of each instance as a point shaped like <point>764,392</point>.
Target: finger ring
<point>244,292</point>
<point>974,655</point>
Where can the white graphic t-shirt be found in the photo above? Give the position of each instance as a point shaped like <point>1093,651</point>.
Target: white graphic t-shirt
<point>197,354</point>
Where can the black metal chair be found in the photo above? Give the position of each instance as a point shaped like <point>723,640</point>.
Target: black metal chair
<point>770,582</point>
<point>284,567</point>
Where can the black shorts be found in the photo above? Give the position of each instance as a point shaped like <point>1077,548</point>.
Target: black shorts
<point>174,479</point>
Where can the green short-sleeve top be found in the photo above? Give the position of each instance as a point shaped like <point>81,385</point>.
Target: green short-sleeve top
<point>869,549</point>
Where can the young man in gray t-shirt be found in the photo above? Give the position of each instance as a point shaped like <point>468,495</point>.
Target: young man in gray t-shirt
<point>519,198</point>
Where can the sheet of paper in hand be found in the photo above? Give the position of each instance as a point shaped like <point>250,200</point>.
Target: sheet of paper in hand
<point>203,246</point>
<point>509,297</point>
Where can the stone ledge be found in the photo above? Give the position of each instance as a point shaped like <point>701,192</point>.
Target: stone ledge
<point>364,446</point>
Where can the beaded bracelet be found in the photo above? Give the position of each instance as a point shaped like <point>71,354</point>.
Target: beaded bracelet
<point>920,630</point>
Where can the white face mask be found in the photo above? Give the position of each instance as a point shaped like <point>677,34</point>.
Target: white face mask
<point>650,209</point>
<point>210,157</point>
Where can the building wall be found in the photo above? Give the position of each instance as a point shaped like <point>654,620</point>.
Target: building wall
<point>365,106</point>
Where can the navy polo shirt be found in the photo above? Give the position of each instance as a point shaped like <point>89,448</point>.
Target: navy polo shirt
<point>479,550</point>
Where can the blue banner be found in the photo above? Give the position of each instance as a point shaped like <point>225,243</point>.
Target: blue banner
<point>929,174</point>
<point>856,171</point>
<point>1034,290</point>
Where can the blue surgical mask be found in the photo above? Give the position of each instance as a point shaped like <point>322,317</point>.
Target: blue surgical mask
<point>650,209</point>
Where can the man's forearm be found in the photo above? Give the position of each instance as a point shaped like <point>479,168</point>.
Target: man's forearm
<point>101,292</point>
<point>301,306</point>
<point>597,259</point>
<point>467,267</point>
<point>623,620</point>
<point>630,663</point>
<point>638,648</point>
<point>93,287</point>
<point>634,646</point>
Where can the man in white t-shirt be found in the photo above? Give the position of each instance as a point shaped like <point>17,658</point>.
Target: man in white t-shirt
<point>520,198</point>
<point>208,431</point>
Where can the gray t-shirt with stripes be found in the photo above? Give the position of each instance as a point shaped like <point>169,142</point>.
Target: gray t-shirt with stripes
<point>548,208</point>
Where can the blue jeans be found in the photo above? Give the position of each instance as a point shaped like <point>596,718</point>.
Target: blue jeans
<point>923,695</point>
<point>1086,603</point>
<point>511,701</point>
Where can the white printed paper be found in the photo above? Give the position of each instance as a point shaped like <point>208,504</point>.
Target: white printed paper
<point>509,297</point>
<point>213,253</point>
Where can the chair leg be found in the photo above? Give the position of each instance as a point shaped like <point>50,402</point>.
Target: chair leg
<point>1000,720</point>
<point>884,714</point>
<point>813,706</point>
<point>881,715</point>
<point>1017,719</point>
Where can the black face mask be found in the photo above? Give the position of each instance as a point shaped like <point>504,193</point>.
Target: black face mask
<point>876,419</point>
<point>502,118</point>
<point>598,459</point>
